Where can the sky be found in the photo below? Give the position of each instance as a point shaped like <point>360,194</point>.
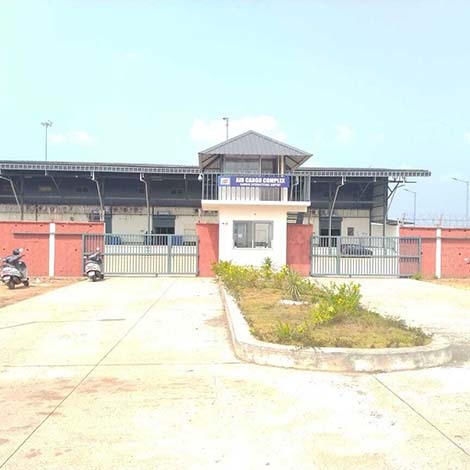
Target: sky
<point>356,83</point>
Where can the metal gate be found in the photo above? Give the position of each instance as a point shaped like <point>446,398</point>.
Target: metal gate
<point>366,256</point>
<point>149,255</point>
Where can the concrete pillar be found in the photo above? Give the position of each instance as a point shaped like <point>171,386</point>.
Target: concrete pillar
<point>51,249</point>
<point>438,252</point>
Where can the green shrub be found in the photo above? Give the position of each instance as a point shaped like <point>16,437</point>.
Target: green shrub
<point>236,278</point>
<point>294,285</point>
<point>267,270</point>
<point>345,299</point>
<point>285,331</point>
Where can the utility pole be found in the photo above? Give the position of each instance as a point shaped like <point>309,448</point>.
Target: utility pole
<point>226,119</point>
<point>46,125</point>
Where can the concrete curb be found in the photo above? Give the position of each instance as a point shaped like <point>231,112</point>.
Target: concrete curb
<point>252,350</point>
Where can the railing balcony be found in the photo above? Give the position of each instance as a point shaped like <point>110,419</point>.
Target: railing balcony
<point>254,188</point>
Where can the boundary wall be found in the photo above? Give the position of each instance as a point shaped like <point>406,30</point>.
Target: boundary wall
<point>50,249</point>
<point>445,252</point>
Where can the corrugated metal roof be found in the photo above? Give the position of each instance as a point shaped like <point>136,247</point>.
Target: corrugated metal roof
<point>253,143</point>
<point>25,165</point>
<point>355,172</point>
<point>97,167</point>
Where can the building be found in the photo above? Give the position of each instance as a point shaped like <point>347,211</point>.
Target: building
<point>252,186</point>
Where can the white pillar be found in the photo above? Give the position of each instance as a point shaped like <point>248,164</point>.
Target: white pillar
<point>438,252</point>
<point>51,249</point>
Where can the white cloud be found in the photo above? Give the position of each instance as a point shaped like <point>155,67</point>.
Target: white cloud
<point>214,131</point>
<point>73,137</point>
<point>466,136</point>
<point>344,133</point>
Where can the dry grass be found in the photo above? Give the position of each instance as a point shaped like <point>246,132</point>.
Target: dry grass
<point>37,286</point>
<point>365,329</point>
<point>458,283</point>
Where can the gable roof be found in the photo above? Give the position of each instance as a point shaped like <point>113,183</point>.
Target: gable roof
<point>256,144</point>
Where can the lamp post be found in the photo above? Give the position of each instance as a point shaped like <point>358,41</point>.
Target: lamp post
<point>46,125</point>
<point>467,182</point>
<point>414,203</point>
<point>226,119</point>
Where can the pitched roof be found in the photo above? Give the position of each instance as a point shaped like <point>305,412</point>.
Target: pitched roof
<point>253,143</point>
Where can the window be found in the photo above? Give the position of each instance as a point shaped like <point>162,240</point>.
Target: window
<point>251,234</point>
<point>268,165</point>
<point>239,165</point>
<point>350,231</point>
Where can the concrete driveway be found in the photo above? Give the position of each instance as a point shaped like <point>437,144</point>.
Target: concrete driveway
<point>139,374</point>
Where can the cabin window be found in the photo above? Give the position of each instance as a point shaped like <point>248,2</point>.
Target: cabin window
<point>252,234</point>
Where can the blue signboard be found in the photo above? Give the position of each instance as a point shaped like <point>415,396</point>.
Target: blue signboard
<point>254,181</point>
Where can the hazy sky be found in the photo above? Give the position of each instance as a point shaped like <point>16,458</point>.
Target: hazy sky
<point>356,83</point>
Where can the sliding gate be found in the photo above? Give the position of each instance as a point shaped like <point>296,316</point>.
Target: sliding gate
<point>149,255</point>
<point>366,256</point>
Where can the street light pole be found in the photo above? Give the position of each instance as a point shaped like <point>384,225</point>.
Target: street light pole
<point>414,204</point>
<point>467,182</point>
<point>46,124</point>
<point>226,119</point>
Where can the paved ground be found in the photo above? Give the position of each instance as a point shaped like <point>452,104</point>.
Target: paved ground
<point>139,374</point>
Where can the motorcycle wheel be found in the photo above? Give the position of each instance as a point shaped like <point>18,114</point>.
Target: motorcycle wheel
<point>26,283</point>
<point>11,284</point>
<point>94,278</point>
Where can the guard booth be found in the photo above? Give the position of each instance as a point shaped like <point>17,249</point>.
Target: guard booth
<point>251,181</point>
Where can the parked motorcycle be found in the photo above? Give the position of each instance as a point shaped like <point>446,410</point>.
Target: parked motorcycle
<point>94,266</point>
<point>14,270</point>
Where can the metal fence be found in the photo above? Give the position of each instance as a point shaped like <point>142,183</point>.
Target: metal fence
<point>126,254</point>
<point>366,256</point>
<point>298,190</point>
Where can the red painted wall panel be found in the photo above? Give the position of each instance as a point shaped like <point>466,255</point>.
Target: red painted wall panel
<point>455,249</point>
<point>33,237</point>
<point>68,247</point>
<point>208,248</point>
<point>299,247</point>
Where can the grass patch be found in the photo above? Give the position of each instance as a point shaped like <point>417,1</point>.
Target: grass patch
<point>329,316</point>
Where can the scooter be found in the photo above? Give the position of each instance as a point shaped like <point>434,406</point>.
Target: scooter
<point>93,266</point>
<point>14,271</point>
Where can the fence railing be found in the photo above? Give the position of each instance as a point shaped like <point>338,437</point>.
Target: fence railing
<point>298,190</point>
<point>145,254</point>
<point>366,256</point>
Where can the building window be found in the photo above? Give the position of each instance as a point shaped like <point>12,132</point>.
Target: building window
<point>237,165</point>
<point>350,231</point>
<point>252,234</point>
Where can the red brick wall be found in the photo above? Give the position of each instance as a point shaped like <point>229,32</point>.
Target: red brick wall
<point>455,248</point>
<point>33,237</point>
<point>68,246</point>
<point>208,248</point>
<point>428,247</point>
<point>299,247</point>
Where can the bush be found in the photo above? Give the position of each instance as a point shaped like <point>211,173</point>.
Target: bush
<point>235,278</point>
<point>329,316</point>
